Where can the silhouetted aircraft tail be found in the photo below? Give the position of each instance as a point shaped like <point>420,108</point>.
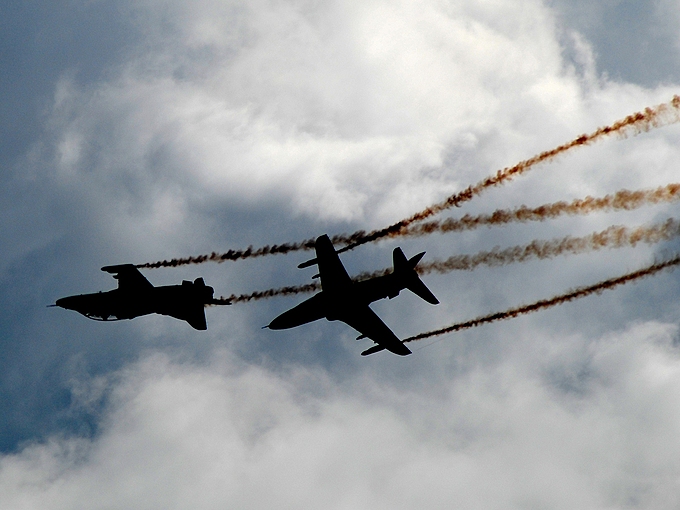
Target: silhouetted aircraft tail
<point>405,270</point>
<point>204,295</point>
<point>196,318</point>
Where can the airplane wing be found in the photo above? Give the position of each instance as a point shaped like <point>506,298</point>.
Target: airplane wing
<point>366,322</point>
<point>129,278</point>
<point>332,273</point>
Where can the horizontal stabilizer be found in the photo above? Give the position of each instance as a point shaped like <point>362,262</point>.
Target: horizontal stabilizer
<point>417,286</point>
<point>413,261</point>
<point>308,263</point>
<point>407,271</point>
<point>401,263</point>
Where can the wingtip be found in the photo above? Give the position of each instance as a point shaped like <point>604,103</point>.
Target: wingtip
<point>373,350</point>
<point>118,268</point>
<point>413,261</point>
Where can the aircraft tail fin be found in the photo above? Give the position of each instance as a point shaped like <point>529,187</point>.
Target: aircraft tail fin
<point>406,269</point>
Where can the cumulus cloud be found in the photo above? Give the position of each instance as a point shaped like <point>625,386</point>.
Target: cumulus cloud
<point>330,106</point>
<point>593,426</point>
<point>345,111</point>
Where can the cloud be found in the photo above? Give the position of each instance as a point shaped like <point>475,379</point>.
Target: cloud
<point>588,426</point>
<point>327,108</point>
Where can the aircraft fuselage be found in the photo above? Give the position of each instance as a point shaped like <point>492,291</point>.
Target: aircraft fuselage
<point>336,304</point>
<point>184,302</point>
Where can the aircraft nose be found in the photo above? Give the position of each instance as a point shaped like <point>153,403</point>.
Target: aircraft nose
<point>283,321</point>
<point>65,302</point>
<point>277,323</point>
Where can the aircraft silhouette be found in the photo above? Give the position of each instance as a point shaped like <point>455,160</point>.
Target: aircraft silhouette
<point>347,301</point>
<point>136,296</point>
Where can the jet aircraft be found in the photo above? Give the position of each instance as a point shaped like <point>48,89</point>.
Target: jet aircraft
<point>347,301</point>
<point>136,296</point>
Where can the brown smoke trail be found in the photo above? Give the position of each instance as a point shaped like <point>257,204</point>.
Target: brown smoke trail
<point>621,200</point>
<point>636,123</point>
<point>651,117</point>
<point>616,236</point>
<point>250,252</point>
<point>613,237</point>
<point>577,293</point>
<point>264,294</point>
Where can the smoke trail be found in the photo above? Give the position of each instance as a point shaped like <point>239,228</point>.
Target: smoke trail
<point>621,200</point>
<point>613,237</point>
<point>577,293</point>
<point>651,117</point>
<point>616,236</point>
<point>265,294</point>
<point>250,252</point>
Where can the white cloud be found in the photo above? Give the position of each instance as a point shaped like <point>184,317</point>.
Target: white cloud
<point>333,107</point>
<point>509,435</point>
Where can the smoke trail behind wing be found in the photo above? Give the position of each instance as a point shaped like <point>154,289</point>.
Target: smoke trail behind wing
<point>651,117</point>
<point>616,236</point>
<point>577,293</point>
<point>250,252</point>
<point>265,294</point>
<point>612,237</point>
<point>636,123</point>
<point>621,200</point>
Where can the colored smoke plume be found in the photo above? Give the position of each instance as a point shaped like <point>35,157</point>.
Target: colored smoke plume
<point>612,237</point>
<point>246,253</point>
<point>265,294</point>
<point>651,117</point>
<point>577,293</point>
<point>639,122</point>
<point>616,236</point>
<point>621,200</point>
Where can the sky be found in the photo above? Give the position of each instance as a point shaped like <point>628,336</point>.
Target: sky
<point>132,132</point>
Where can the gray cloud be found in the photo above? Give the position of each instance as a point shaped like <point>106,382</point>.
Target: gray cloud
<point>634,41</point>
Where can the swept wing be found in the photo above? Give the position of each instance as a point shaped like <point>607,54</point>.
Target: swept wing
<point>332,273</point>
<point>366,322</point>
<point>129,278</point>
